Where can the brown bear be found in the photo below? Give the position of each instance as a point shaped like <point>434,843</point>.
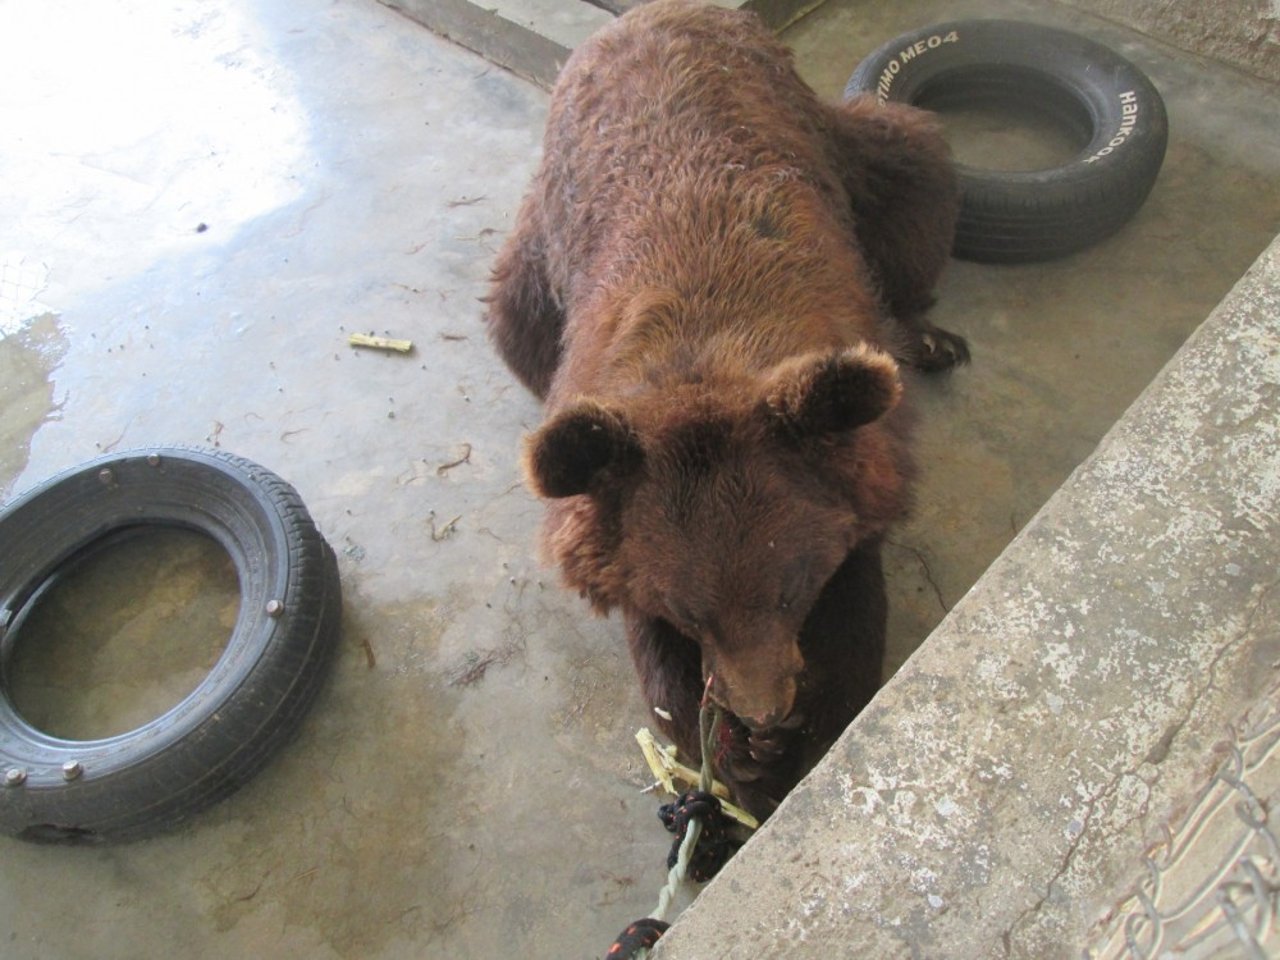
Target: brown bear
<point>711,283</point>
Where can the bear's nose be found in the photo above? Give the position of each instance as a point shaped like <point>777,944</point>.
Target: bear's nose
<point>766,721</point>
<point>772,711</point>
<point>764,693</point>
<point>753,719</point>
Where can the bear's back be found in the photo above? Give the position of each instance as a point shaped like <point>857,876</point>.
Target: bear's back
<point>676,100</point>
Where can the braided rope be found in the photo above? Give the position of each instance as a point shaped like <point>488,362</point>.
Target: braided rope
<point>708,725</point>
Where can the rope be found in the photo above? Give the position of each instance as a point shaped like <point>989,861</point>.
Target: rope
<point>691,813</point>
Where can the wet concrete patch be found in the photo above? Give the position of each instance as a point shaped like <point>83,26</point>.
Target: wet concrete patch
<point>28,356</point>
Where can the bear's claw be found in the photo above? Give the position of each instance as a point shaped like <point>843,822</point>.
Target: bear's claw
<point>940,350</point>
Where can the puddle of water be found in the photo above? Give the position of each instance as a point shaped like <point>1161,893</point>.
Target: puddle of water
<point>28,357</point>
<point>125,636</point>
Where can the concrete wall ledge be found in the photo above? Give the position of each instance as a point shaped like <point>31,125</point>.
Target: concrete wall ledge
<point>533,38</point>
<point>1099,697</point>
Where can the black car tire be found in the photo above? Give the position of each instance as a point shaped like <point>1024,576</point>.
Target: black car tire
<point>250,703</point>
<point>1083,86</point>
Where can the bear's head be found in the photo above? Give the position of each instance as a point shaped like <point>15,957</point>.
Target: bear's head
<point>724,512</point>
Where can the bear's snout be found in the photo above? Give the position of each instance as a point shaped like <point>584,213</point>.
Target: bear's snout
<point>760,690</point>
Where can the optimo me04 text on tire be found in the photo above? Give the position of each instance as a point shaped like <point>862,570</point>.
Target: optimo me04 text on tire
<point>245,708</point>
<point>1085,87</point>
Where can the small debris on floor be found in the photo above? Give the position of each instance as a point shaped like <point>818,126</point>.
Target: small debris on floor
<point>465,458</point>
<point>444,532</point>
<point>372,342</point>
<point>476,663</point>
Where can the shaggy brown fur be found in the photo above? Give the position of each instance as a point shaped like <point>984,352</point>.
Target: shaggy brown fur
<point>708,283</point>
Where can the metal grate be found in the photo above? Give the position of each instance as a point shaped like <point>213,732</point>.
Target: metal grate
<point>1212,885</point>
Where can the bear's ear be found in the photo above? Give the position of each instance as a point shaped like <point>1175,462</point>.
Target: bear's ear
<point>566,455</point>
<point>820,394</point>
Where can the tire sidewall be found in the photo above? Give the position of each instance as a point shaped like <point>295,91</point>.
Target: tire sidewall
<point>1126,110</point>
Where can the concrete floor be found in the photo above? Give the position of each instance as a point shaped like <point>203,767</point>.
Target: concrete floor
<point>467,785</point>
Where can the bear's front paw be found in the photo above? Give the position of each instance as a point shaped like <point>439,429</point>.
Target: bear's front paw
<point>757,802</point>
<point>739,766</point>
<point>770,747</point>
<point>758,766</point>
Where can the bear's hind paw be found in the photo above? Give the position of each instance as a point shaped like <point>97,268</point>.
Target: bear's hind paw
<point>939,350</point>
